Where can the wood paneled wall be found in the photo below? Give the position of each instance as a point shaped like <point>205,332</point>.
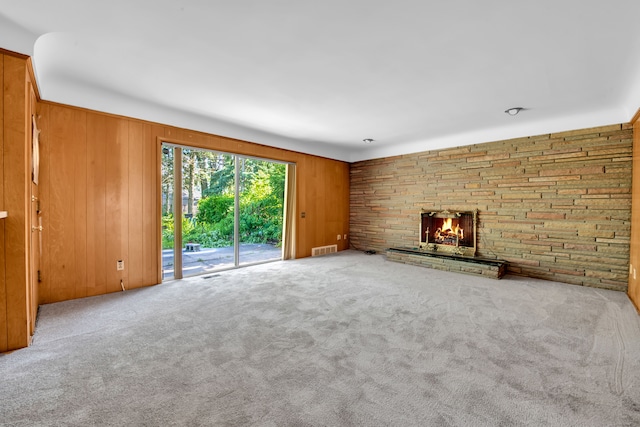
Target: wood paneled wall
<point>634,255</point>
<point>16,302</point>
<point>100,202</point>
<point>3,280</point>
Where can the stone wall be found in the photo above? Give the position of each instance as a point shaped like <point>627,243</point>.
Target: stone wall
<point>556,206</point>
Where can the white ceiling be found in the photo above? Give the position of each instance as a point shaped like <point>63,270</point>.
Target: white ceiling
<point>320,76</point>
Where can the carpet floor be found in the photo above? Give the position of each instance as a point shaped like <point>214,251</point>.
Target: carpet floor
<point>340,340</point>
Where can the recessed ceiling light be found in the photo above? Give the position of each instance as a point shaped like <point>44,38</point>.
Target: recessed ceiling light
<point>367,140</point>
<point>513,111</point>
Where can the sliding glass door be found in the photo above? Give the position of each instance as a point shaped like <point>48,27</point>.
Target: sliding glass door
<point>219,210</point>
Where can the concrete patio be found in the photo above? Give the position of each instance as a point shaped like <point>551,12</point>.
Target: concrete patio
<point>211,259</point>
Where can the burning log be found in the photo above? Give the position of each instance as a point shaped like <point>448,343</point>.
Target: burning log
<point>449,235</point>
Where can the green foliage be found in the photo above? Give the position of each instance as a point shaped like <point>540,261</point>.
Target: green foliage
<point>167,231</point>
<point>261,204</point>
<point>221,178</point>
<point>211,235</point>
<point>188,229</point>
<point>216,235</point>
<point>214,209</point>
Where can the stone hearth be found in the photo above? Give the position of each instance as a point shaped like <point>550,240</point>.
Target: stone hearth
<point>486,267</point>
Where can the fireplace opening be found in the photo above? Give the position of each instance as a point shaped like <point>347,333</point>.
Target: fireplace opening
<point>449,232</point>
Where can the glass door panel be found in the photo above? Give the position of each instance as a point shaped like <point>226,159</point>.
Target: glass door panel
<point>261,205</point>
<point>209,211</point>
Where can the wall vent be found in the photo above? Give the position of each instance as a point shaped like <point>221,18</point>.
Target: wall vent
<point>324,250</point>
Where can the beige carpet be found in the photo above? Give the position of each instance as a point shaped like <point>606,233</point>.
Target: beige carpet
<point>344,339</point>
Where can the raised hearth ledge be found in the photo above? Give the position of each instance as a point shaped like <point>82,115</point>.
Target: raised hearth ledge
<point>486,267</point>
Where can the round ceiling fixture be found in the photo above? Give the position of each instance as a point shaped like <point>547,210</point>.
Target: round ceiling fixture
<point>367,140</point>
<point>513,111</point>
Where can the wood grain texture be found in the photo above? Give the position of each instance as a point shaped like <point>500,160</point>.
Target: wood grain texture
<point>62,187</point>
<point>134,263</point>
<point>79,148</point>
<point>117,201</point>
<point>302,237</point>
<point>16,201</point>
<point>99,131</point>
<point>3,283</point>
<point>62,223</point>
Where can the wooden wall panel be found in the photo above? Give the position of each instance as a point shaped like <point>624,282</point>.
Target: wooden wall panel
<point>302,233</point>
<point>64,204</point>
<point>3,284</point>
<point>78,141</point>
<point>315,197</point>
<point>134,266</point>
<point>61,224</point>
<point>151,214</point>
<point>323,196</point>
<point>15,201</point>
<point>117,201</point>
<point>339,193</point>
<point>100,129</point>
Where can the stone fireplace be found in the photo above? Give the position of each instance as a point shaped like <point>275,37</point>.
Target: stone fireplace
<point>448,242</point>
<point>446,231</point>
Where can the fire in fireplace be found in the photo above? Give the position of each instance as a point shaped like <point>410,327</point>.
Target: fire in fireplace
<point>447,231</point>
